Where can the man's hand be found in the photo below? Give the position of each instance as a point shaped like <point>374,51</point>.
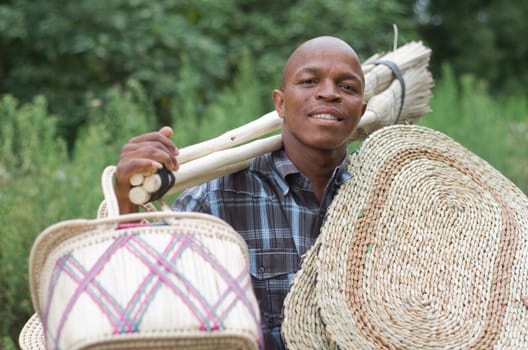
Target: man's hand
<point>143,154</point>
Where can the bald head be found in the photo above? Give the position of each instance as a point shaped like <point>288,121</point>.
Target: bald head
<point>323,46</point>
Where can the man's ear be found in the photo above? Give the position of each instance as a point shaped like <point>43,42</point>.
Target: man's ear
<point>278,101</point>
<point>363,108</point>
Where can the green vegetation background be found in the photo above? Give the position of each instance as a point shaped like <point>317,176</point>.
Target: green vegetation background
<point>78,79</point>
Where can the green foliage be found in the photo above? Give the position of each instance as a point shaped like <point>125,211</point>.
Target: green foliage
<point>32,165</point>
<point>7,343</point>
<point>42,185</point>
<point>495,129</point>
<point>236,105</point>
<point>480,37</point>
<point>113,120</point>
<point>67,50</point>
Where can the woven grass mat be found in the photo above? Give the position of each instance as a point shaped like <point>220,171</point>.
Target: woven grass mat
<point>426,247</point>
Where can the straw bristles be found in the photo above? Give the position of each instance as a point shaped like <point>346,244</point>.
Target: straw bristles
<point>382,92</point>
<point>383,109</point>
<point>379,77</point>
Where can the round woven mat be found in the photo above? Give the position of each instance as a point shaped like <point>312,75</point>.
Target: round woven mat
<point>303,328</point>
<point>425,248</point>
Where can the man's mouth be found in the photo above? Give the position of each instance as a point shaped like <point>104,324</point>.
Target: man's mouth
<point>325,116</point>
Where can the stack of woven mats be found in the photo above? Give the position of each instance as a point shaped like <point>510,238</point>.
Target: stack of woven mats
<point>426,247</point>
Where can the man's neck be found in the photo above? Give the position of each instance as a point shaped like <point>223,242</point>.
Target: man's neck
<point>317,165</point>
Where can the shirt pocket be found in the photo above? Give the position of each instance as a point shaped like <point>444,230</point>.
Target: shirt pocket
<point>273,263</point>
<point>272,271</point>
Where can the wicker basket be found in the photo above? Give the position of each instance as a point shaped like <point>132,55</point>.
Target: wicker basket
<point>425,248</point>
<point>177,281</point>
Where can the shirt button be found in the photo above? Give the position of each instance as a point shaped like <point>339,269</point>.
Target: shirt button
<point>261,269</point>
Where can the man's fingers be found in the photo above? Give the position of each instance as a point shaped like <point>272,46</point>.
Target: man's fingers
<point>152,150</point>
<point>128,168</point>
<point>162,138</point>
<point>166,131</point>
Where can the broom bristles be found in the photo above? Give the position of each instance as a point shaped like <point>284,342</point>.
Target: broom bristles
<point>384,108</point>
<point>379,77</point>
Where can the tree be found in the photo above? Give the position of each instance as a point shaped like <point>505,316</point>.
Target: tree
<point>481,37</point>
<point>72,51</point>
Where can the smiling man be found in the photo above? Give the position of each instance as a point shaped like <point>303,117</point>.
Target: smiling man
<point>278,204</point>
<point>321,102</point>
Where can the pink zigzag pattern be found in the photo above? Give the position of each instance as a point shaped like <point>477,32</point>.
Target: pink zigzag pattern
<point>161,266</point>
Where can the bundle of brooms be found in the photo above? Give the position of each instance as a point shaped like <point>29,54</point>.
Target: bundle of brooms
<point>397,91</point>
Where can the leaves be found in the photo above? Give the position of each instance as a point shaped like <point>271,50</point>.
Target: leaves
<point>65,50</point>
<point>480,37</point>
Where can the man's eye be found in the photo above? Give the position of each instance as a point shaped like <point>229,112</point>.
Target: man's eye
<point>310,81</point>
<point>348,87</point>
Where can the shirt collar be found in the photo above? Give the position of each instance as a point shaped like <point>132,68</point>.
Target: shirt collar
<point>282,167</point>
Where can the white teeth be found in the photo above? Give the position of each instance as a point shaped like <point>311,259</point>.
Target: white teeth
<point>324,116</point>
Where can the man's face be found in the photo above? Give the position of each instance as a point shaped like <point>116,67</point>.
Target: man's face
<point>321,99</point>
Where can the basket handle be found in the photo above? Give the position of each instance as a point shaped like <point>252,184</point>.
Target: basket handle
<point>110,206</point>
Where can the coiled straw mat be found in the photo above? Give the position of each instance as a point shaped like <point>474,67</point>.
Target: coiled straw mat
<point>426,247</point>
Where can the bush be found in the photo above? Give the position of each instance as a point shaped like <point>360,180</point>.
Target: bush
<point>109,42</point>
<point>32,167</point>
<point>43,183</point>
<point>494,128</point>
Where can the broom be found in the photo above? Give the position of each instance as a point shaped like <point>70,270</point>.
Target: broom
<point>397,90</point>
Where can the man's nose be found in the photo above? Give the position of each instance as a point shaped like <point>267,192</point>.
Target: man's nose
<point>328,91</point>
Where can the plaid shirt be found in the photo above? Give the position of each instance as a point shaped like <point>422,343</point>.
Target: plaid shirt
<point>273,207</point>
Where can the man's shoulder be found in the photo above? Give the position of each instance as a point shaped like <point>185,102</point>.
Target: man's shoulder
<point>259,180</point>
<point>259,170</point>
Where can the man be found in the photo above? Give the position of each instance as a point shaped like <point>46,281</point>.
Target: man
<point>278,204</point>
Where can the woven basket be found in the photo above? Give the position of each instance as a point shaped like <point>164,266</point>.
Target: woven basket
<point>180,281</point>
<point>425,248</point>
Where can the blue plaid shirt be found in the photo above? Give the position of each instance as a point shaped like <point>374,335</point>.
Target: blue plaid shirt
<point>273,207</point>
